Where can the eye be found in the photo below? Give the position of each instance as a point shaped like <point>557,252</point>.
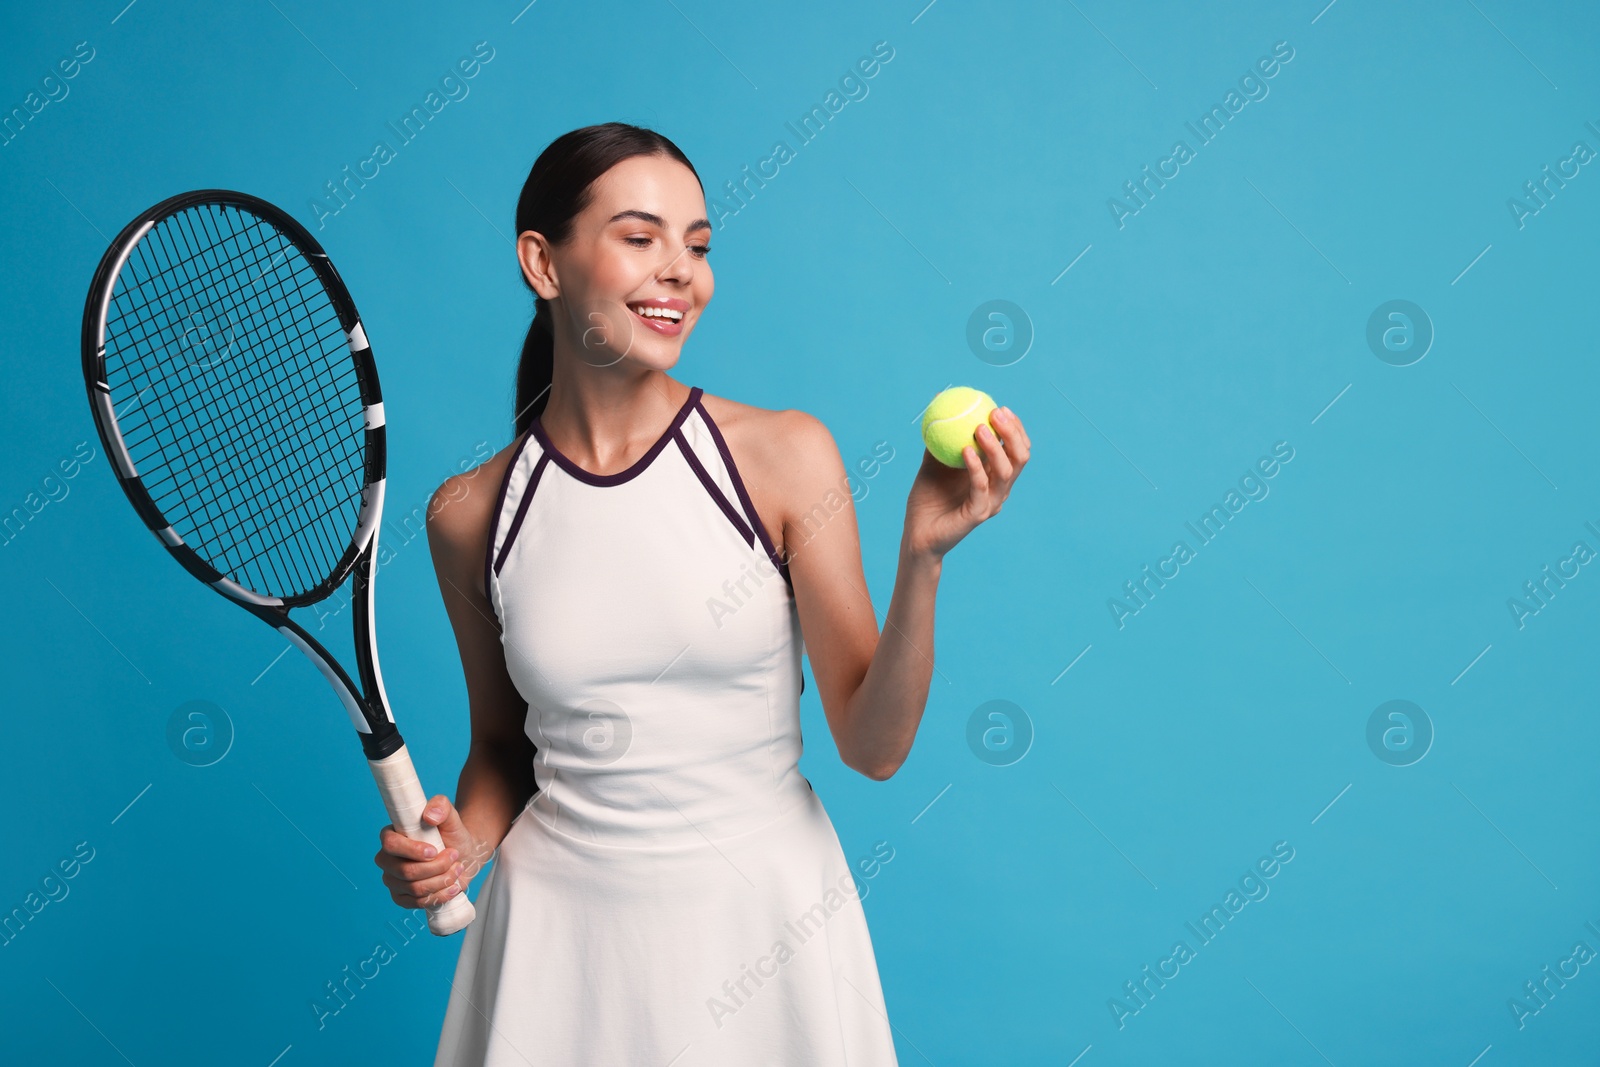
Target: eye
<point>698,251</point>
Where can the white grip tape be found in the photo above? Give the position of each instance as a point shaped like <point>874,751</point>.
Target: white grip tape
<point>404,799</point>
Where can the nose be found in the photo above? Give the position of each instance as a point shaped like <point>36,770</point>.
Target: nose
<point>680,268</point>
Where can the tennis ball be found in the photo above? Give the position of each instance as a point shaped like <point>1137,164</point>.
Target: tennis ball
<point>951,420</point>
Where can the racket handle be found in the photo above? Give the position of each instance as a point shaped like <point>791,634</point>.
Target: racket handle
<point>403,796</point>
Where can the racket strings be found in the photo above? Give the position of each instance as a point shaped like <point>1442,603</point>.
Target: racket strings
<point>243,407</point>
<point>259,444</point>
<point>294,494</point>
<point>185,446</point>
<point>284,493</point>
<point>242,260</point>
<point>258,441</point>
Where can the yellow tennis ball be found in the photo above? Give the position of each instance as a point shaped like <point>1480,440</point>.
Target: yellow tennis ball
<point>951,420</point>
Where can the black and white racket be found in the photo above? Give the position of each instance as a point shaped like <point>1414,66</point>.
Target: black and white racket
<point>236,394</point>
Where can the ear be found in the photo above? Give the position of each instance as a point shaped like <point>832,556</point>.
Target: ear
<point>538,266</point>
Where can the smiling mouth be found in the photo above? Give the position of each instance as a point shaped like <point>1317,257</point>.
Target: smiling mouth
<point>650,313</point>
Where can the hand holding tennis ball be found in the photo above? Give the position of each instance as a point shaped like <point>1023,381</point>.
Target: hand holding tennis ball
<point>951,494</point>
<point>951,421</point>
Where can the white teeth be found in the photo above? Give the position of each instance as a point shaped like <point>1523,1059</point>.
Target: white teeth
<point>660,313</point>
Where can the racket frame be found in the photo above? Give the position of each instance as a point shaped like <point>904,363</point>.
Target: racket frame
<point>367,706</point>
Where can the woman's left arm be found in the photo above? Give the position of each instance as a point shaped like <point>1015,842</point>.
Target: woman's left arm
<point>874,687</point>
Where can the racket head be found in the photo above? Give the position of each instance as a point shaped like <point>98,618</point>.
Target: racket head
<point>234,389</point>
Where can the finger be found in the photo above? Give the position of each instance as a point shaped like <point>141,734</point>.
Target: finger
<point>407,848</point>
<point>411,871</point>
<point>1004,455</point>
<point>994,453</point>
<point>1009,428</point>
<point>420,887</point>
<point>978,484</point>
<point>397,844</point>
<point>1016,448</point>
<point>429,900</point>
<point>412,903</point>
<point>439,809</point>
<point>424,900</point>
<point>443,814</point>
<point>1015,436</point>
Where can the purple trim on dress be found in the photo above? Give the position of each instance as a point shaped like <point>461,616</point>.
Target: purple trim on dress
<point>744,497</point>
<point>711,487</point>
<point>494,516</point>
<point>522,510</point>
<point>638,465</point>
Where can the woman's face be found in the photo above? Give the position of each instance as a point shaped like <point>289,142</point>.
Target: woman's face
<point>632,278</point>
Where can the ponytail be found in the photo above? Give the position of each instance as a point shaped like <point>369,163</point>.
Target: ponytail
<point>557,189</point>
<point>535,369</point>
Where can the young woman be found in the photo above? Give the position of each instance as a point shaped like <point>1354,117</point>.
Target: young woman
<point>629,587</point>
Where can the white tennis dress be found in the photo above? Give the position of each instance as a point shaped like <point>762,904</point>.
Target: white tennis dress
<point>674,895</point>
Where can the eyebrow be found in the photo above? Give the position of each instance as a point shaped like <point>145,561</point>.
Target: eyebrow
<point>657,220</point>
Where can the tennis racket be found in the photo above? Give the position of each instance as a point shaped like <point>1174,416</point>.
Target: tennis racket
<point>235,391</point>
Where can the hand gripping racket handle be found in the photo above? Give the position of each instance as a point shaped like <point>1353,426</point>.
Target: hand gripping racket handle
<point>403,796</point>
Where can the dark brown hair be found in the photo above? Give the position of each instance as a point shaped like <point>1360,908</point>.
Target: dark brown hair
<point>557,190</point>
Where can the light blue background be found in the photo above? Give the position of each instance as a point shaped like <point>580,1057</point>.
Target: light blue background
<point>1227,315</point>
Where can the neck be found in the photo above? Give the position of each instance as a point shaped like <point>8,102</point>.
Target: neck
<point>602,418</point>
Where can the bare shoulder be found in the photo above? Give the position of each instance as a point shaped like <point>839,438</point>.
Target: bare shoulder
<point>459,514</point>
<point>771,443</point>
<point>783,456</point>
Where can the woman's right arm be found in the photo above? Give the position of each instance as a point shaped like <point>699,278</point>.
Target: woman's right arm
<point>497,778</point>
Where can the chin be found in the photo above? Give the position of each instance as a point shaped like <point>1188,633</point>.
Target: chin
<point>662,361</point>
<point>661,353</point>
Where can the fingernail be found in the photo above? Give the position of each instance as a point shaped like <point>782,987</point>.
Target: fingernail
<point>428,852</point>
<point>454,855</point>
<point>434,813</point>
<point>459,871</point>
